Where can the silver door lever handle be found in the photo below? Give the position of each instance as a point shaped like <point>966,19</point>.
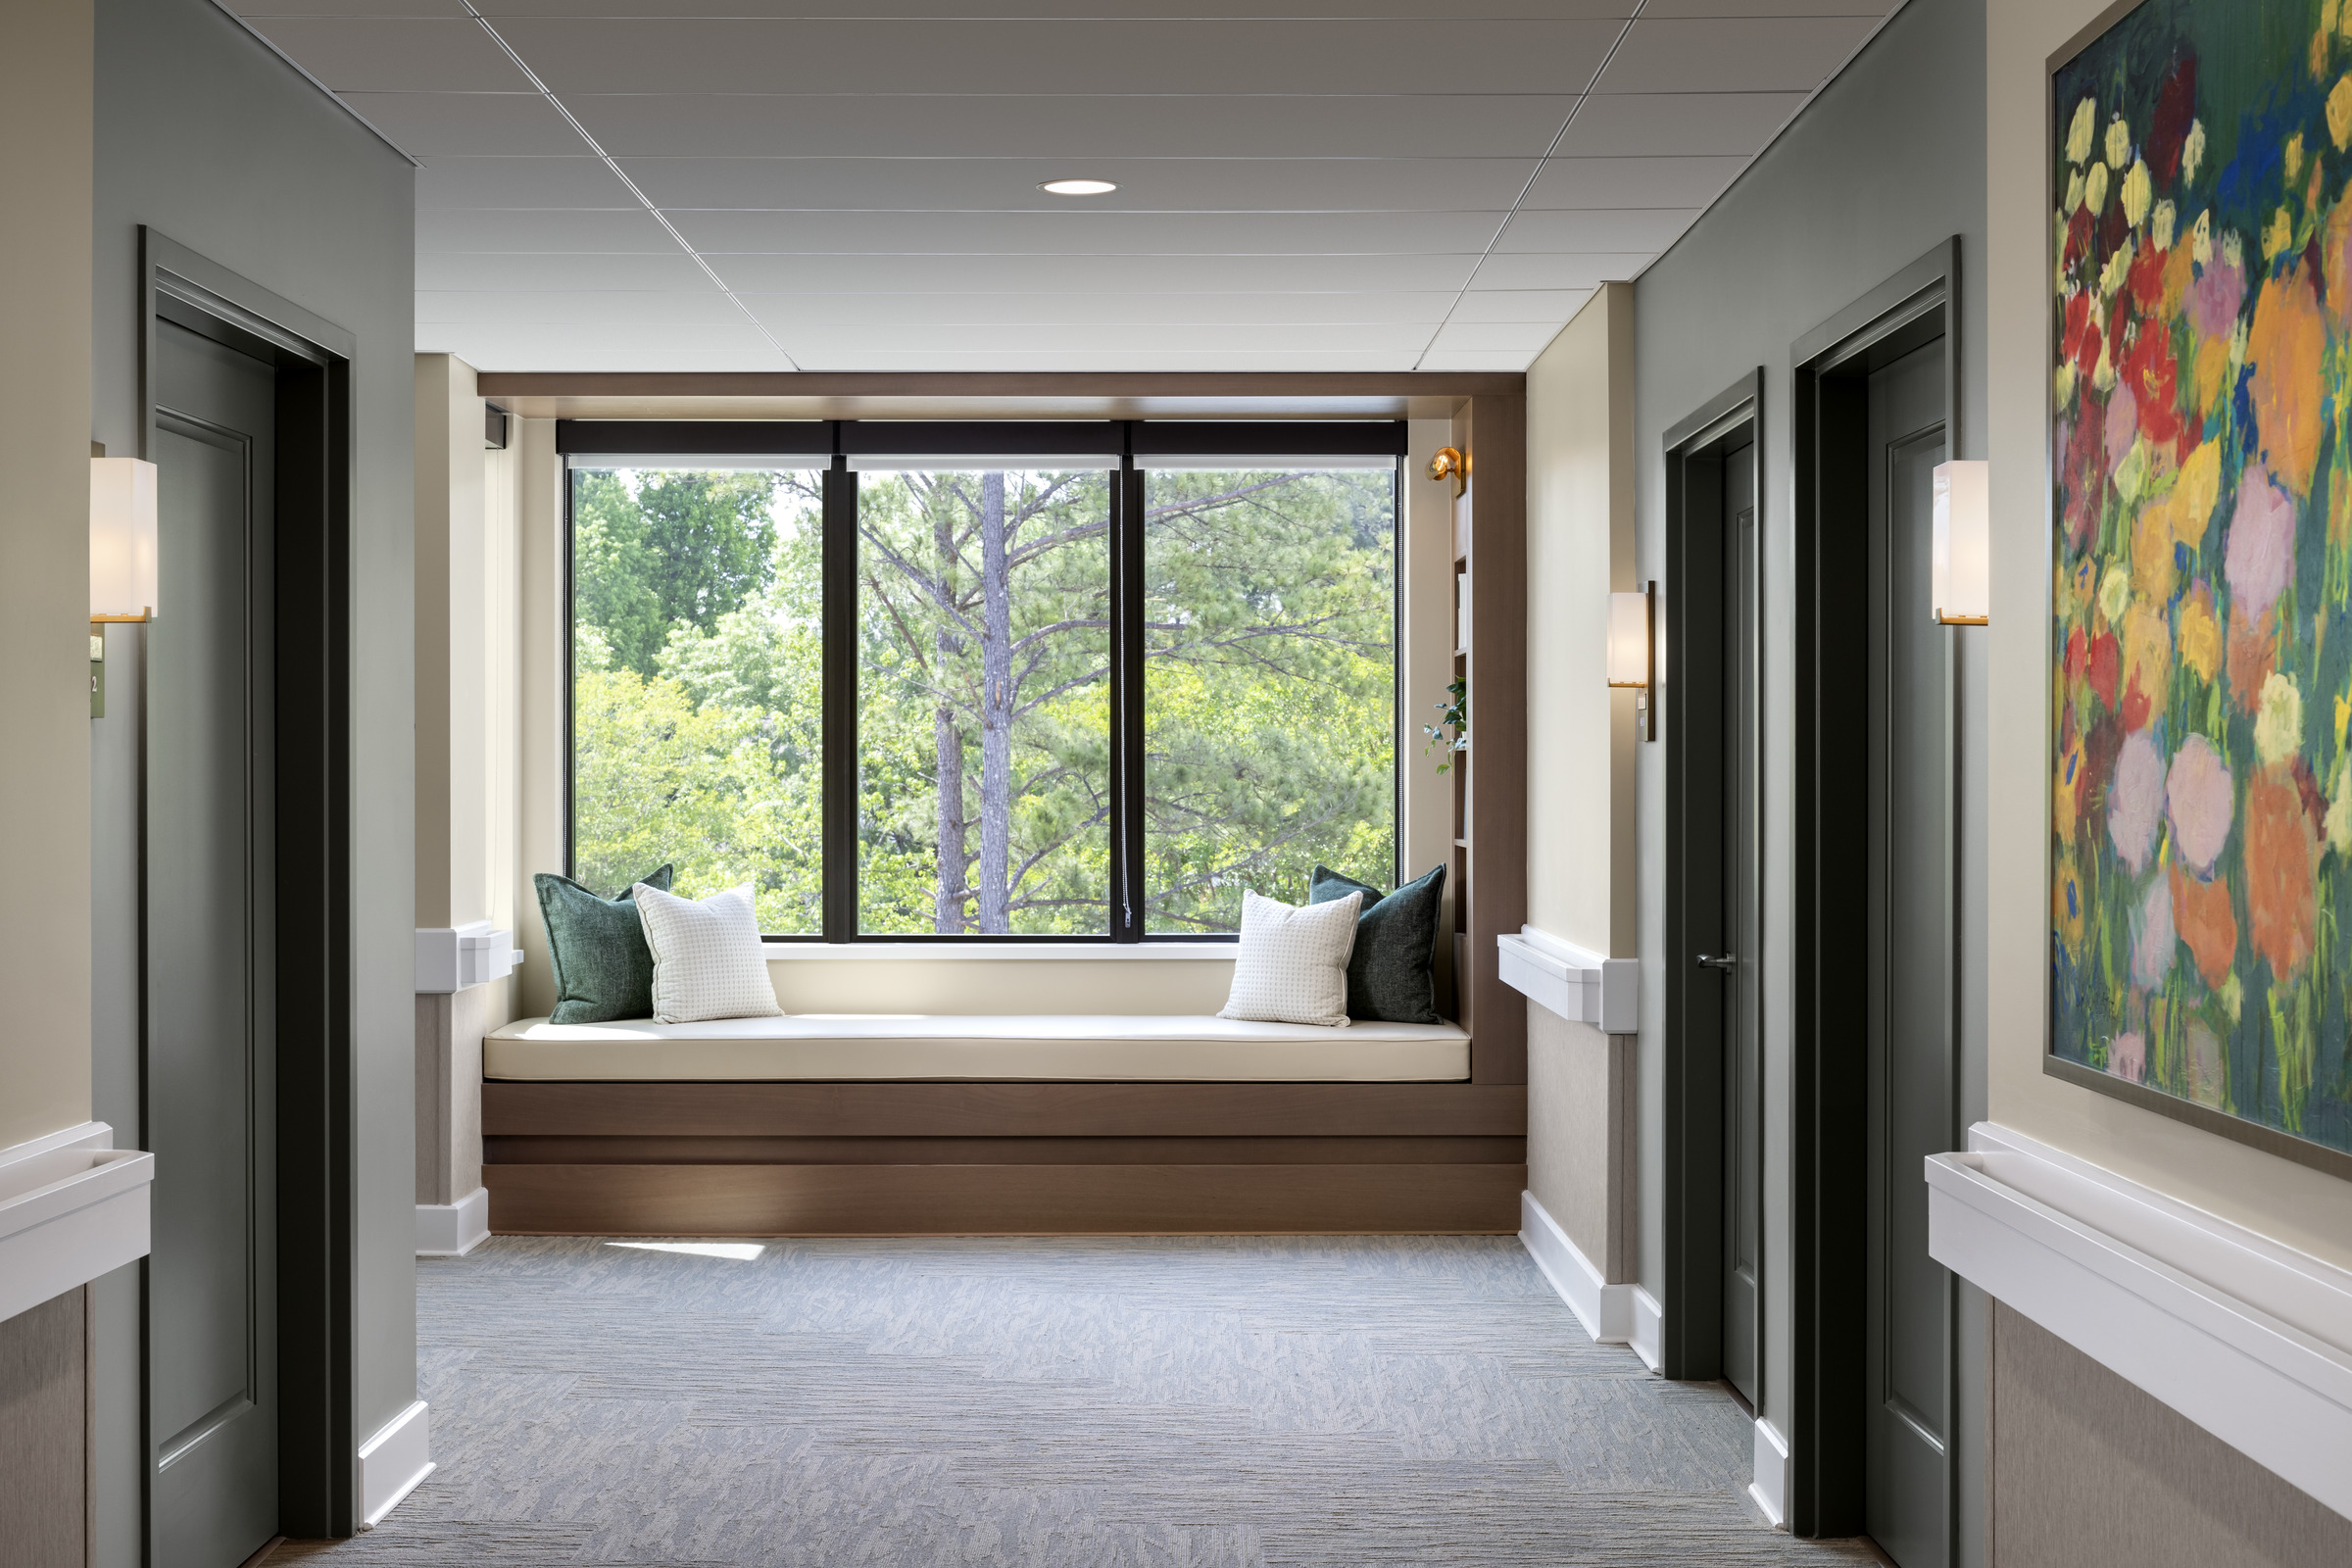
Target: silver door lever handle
<point>1718,960</point>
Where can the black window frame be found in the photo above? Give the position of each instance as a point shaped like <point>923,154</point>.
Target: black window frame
<point>830,446</point>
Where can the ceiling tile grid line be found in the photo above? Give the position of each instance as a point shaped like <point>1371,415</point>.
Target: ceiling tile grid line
<point>647,184</point>
<point>758,325</point>
<point>1496,238</point>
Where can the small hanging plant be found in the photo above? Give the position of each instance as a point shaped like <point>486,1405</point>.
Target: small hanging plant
<point>1451,732</point>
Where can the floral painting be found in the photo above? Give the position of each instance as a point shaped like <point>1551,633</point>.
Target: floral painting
<point>2201,446</point>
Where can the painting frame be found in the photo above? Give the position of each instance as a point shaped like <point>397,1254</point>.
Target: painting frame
<point>2238,1128</point>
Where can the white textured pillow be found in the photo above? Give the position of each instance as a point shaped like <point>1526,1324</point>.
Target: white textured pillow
<point>707,957</point>
<point>1293,963</point>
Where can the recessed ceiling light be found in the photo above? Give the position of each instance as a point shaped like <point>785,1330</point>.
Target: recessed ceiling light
<point>1078,187</point>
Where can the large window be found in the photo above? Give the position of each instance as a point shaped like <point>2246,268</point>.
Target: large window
<point>697,683</point>
<point>984,701</point>
<point>1021,681</point>
<point>1269,687</point>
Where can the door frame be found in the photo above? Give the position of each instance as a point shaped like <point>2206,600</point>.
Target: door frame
<point>1690,1337</point>
<point>312,677</point>
<point>1829,1033</point>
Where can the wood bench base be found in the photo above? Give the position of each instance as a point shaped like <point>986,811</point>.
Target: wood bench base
<point>1003,1199</point>
<point>1002,1158</point>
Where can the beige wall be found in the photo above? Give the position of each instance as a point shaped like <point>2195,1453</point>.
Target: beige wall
<point>1581,745</point>
<point>45,124</point>
<point>468,743</point>
<point>2089,1471</point>
<point>2291,1203</point>
<point>1582,854</point>
<point>1580,1137</point>
<point>1426,636</point>
<point>466,615</point>
<point>535,475</point>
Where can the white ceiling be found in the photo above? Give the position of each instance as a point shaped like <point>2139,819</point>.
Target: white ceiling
<point>773,185</point>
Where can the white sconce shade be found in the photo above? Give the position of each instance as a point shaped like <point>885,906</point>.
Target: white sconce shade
<point>1963,577</point>
<point>1629,639</point>
<point>1633,646</point>
<point>122,572</point>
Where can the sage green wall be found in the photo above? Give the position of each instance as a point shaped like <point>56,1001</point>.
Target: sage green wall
<point>1886,163</point>
<point>207,135</point>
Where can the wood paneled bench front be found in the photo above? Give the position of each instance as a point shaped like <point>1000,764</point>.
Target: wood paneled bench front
<point>995,1124</point>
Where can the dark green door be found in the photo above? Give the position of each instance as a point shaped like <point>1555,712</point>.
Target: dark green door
<point>1744,979</point>
<point>1912,1035</point>
<point>210,1057</point>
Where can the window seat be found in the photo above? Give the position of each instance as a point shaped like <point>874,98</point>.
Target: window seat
<point>976,1047</point>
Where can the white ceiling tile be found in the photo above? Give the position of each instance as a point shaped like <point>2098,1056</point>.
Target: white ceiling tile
<point>839,337</point>
<point>1425,308</point>
<point>1777,54</point>
<point>1306,190</point>
<point>1553,305</point>
<point>1108,9</point>
<point>1872,9</point>
<point>256,10</point>
<point>1495,337</point>
<point>578,307</point>
<point>1474,359</point>
<point>1563,271</point>
<point>1117,361</point>
<point>395,54</point>
<point>1619,229</point>
<point>1146,185</point>
<point>1092,275</point>
<point>1677,123</point>
<point>1631,182</point>
<point>1074,132</point>
<point>604,348</point>
<point>424,124</point>
<point>521,182</point>
<point>899,56</point>
<point>480,228</point>
<point>491,273</point>
<point>1088,234</point>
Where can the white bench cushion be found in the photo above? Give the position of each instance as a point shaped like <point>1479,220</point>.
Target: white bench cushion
<point>1108,1049</point>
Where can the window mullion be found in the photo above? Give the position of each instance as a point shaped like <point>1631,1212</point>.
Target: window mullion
<point>1127,700</point>
<point>839,618</point>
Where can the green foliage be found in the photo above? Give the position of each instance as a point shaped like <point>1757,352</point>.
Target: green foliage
<point>984,706</point>
<point>653,548</point>
<point>1451,731</point>
<point>982,713</point>
<point>1269,696</point>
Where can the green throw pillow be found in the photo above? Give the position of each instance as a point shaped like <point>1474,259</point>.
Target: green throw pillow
<point>1389,977</point>
<point>604,969</point>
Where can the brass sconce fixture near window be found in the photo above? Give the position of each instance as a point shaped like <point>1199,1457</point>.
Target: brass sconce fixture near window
<point>123,569</point>
<point>1633,648</point>
<point>1962,587</point>
<point>1451,462</point>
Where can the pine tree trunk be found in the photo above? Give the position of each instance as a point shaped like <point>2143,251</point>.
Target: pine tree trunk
<point>995,710</point>
<point>954,859</point>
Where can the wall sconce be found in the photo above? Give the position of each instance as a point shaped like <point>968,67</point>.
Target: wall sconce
<point>1451,462</point>
<point>1962,551</point>
<point>123,569</point>
<point>1633,646</point>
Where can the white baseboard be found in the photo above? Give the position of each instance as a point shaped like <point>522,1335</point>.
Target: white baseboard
<point>452,1230</point>
<point>393,1461</point>
<point>1649,1328</point>
<point>1770,1489</point>
<point>1613,1314</point>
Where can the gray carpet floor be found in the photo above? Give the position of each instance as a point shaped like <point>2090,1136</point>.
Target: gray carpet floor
<point>1227,1401</point>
